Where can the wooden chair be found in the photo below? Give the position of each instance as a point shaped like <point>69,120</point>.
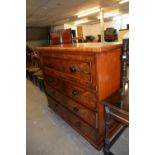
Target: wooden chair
<point>32,66</point>
<point>30,63</point>
<point>28,55</point>
<point>67,36</point>
<point>117,105</point>
<point>33,70</point>
<point>39,79</point>
<point>55,38</point>
<point>41,83</point>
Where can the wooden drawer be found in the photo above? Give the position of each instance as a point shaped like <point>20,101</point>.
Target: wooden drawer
<point>78,94</point>
<point>73,120</point>
<point>87,115</point>
<point>77,70</point>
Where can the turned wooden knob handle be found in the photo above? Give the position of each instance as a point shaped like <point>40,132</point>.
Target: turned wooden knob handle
<point>75,92</point>
<point>72,69</point>
<point>75,109</point>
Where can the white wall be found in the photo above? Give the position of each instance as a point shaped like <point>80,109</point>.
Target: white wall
<point>72,26</point>
<point>93,30</point>
<point>96,29</point>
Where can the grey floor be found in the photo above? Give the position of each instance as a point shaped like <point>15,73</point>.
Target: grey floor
<point>48,134</point>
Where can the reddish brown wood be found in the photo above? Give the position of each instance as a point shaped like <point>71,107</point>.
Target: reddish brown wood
<point>77,123</point>
<point>84,48</point>
<point>85,114</point>
<point>55,38</point>
<point>84,67</point>
<point>67,36</point>
<point>77,92</point>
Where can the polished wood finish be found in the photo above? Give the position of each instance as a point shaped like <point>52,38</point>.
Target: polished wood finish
<point>84,113</point>
<point>83,96</point>
<point>55,38</point>
<point>67,36</point>
<point>78,77</point>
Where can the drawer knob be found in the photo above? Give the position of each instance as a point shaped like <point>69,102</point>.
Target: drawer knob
<point>75,109</point>
<point>75,92</point>
<point>72,69</point>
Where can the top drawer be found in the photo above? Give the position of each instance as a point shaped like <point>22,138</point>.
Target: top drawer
<point>75,68</point>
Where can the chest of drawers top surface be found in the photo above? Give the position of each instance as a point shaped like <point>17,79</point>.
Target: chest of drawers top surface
<point>81,47</point>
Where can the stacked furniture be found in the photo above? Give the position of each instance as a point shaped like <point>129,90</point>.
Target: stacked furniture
<point>62,37</point>
<point>67,36</point>
<point>55,38</point>
<point>110,34</point>
<point>77,79</point>
<point>33,70</point>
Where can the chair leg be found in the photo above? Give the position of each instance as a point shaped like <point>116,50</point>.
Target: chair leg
<point>107,152</point>
<point>27,74</point>
<point>106,148</point>
<point>30,77</point>
<point>41,85</point>
<point>35,80</point>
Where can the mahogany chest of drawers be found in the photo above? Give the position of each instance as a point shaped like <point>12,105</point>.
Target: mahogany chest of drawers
<point>77,79</point>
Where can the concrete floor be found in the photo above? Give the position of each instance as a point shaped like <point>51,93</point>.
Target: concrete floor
<point>48,134</point>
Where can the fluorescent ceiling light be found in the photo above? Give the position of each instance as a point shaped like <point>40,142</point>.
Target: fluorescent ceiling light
<point>88,12</point>
<point>107,15</point>
<point>117,18</point>
<point>78,22</point>
<point>120,17</point>
<point>110,14</point>
<point>123,1</point>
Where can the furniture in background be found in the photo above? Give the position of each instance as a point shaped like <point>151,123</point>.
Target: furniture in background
<point>99,38</point>
<point>79,29</point>
<point>110,34</point>
<point>67,36</point>
<point>28,55</point>
<point>90,38</point>
<point>55,38</point>
<point>31,64</point>
<point>77,79</point>
<point>33,68</point>
<point>117,105</point>
<point>78,39</point>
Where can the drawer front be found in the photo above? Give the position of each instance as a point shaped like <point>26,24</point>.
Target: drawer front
<point>80,70</point>
<point>80,95</point>
<point>87,115</point>
<point>73,120</point>
<point>73,68</point>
